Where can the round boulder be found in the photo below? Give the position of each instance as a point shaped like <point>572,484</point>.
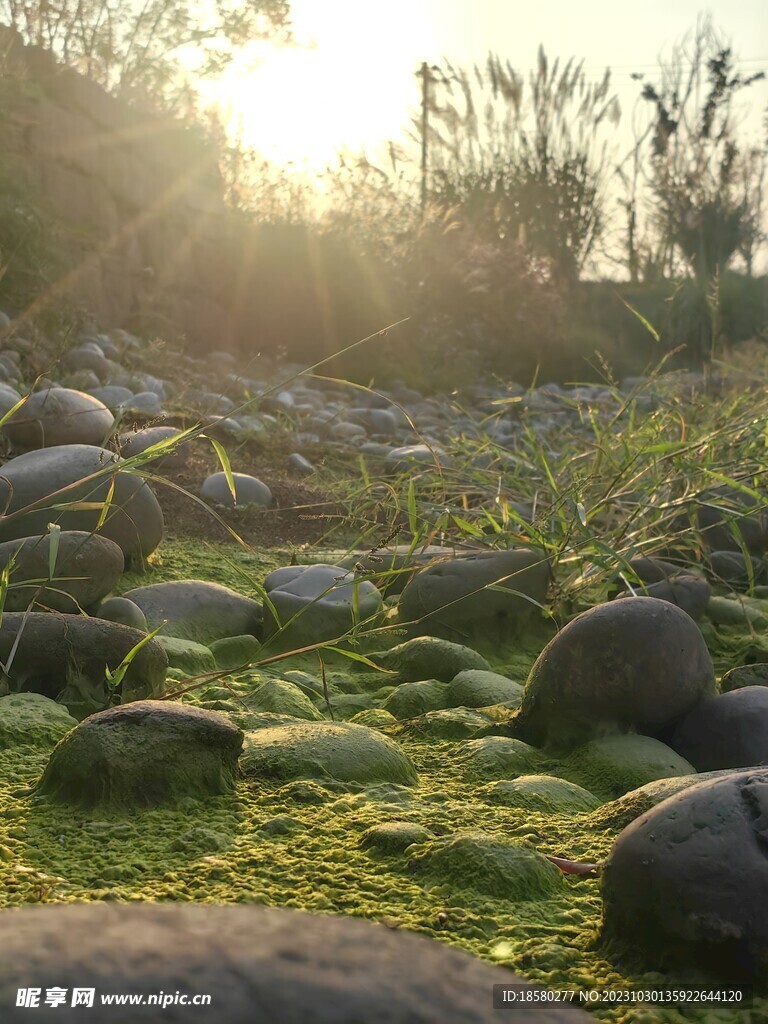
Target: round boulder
<point>65,657</point>
<point>500,757</point>
<point>86,568</point>
<point>196,610</point>
<point>689,880</point>
<point>726,731</point>
<point>635,665</point>
<point>275,965</point>
<point>74,475</point>
<point>691,593</point>
<point>145,754</point>
<point>482,596</point>
<point>138,441</point>
<point>58,416</point>
<point>325,750</point>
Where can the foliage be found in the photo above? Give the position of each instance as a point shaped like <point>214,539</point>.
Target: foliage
<point>530,171</point>
<point>706,203</point>
<point>137,47</point>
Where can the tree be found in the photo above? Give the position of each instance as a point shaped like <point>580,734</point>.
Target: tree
<point>136,46</point>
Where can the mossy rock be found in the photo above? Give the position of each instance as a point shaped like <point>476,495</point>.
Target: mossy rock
<point>393,837</point>
<point>620,812</point>
<point>279,697</point>
<point>477,688</point>
<point>30,718</point>
<point>374,718</point>
<point>346,705</point>
<point>614,765</point>
<point>189,657</point>
<point>446,724</point>
<point>233,652</point>
<point>428,657</point>
<point>412,699</point>
<point>738,611</point>
<point>744,675</point>
<point>543,793</point>
<point>501,757</point>
<point>144,754</point>
<point>487,864</point>
<point>325,750</point>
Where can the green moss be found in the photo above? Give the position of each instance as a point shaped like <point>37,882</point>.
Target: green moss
<point>487,864</point>
<point>393,836</point>
<point>334,750</point>
<point>475,688</point>
<point>188,657</point>
<point>500,757</point>
<point>428,657</point>
<point>540,793</point>
<point>411,699</point>
<point>614,765</point>
<point>299,843</point>
<point>34,719</point>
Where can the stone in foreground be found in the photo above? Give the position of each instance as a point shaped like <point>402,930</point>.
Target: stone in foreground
<point>639,664</point>
<point>688,881</point>
<point>146,754</point>
<point>259,965</point>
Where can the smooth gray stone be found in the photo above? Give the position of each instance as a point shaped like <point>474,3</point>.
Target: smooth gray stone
<point>134,520</point>
<point>726,731</point>
<point>58,416</point>
<point>476,596</point>
<point>249,490</point>
<point>64,657</point>
<point>634,665</point>
<point>298,464</point>
<point>325,599</point>
<point>138,441</point>
<point>197,610</point>
<point>259,965</point>
<point>688,880</point>
<point>86,569</point>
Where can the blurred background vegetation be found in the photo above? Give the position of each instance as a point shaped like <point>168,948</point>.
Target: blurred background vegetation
<point>507,233</point>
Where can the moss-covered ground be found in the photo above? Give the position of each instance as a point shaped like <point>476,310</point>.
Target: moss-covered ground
<point>301,844</point>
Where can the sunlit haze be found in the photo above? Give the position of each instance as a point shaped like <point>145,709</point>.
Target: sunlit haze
<point>349,80</point>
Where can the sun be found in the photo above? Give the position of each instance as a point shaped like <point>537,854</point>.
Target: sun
<point>347,84</point>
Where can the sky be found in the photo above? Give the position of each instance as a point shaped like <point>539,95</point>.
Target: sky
<point>350,80</point>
